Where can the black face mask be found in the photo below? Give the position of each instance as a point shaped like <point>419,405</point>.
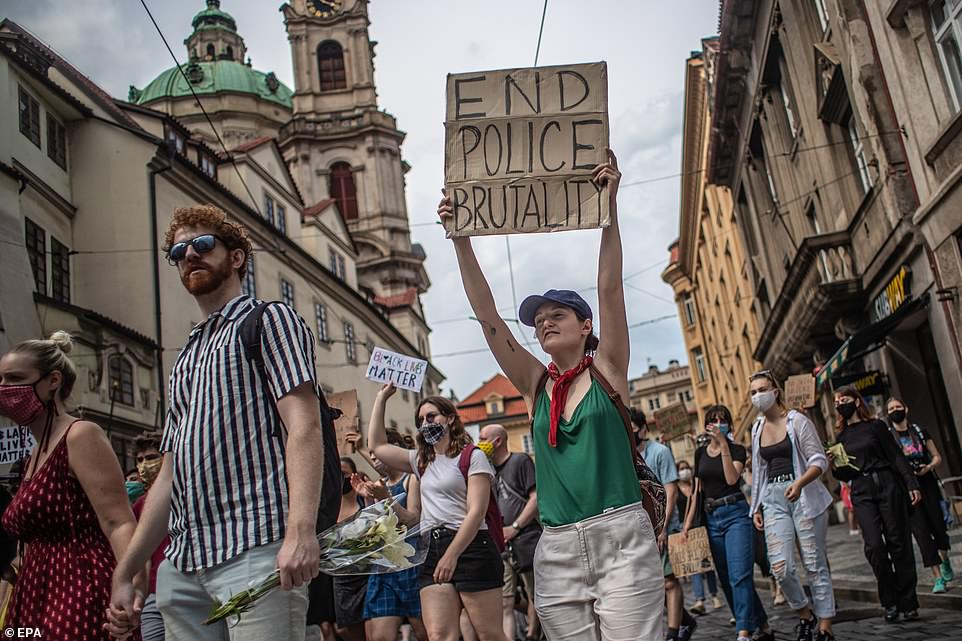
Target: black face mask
<point>346,486</point>
<point>897,416</point>
<point>847,410</point>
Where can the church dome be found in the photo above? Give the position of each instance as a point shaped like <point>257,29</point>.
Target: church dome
<point>216,51</point>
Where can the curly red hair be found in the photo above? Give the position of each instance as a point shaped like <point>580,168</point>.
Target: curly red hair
<point>233,235</point>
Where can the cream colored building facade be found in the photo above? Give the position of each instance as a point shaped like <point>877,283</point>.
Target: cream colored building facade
<point>707,268</point>
<point>87,186</point>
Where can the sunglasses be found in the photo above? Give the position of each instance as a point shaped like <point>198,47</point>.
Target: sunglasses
<point>201,244</point>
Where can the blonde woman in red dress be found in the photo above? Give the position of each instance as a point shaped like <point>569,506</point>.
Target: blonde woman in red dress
<point>71,511</point>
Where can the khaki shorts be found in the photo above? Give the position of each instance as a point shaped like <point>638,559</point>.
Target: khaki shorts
<point>511,582</point>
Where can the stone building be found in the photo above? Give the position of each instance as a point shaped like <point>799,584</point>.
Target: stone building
<point>707,265</point>
<point>88,182</point>
<point>658,389</point>
<point>835,126</point>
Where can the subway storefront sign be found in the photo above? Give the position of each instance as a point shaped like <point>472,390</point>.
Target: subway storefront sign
<point>867,383</point>
<point>895,294</point>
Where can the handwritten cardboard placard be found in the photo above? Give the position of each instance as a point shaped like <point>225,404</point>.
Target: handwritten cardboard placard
<point>405,372</point>
<point>349,421</point>
<point>800,391</point>
<point>673,421</point>
<point>16,443</point>
<point>692,556</point>
<point>520,146</point>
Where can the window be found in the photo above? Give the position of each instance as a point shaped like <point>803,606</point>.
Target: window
<point>343,190</point>
<point>812,216</point>
<point>338,265</point>
<point>688,395</point>
<point>495,406</point>
<point>29,116</point>
<point>230,52</point>
<point>320,316</point>
<point>207,164</point>
<point>57,142</point>
<point>282,219</point>
<point>350,345</point>
<point>36,241</point>
<point>699,359</point>
<point>822,12</point>
<point>526,444</point>
<point>59,270</point>
<point>120,377</point>
<point>689,303</point>
<point>211,53</point>
<point>947,29</point>
<point>330,65</point>
<point>858,152</point>
<point>176,139</point>
<point>654,403</point>
<point>789,111</point>
<point>249,284</point>
<point>672,397</point>
<point>269,208</point>
<point>287,292</point>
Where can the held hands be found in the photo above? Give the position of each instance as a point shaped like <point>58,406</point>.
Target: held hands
<point>509,533</point>
<point>299,557</point>
<point>126,604</point>
<point>792,492</point>
<point>759,520</point>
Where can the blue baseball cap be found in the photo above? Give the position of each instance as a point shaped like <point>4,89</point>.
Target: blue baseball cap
<point>566,297</point>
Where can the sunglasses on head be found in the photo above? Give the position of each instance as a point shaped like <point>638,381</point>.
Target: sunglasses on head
<point>764,373</point>
<point>201,244</point>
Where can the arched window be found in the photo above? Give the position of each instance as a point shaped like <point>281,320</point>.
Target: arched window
<point>120,377</point>
<point>330,65</point>
<point>230,52</point>
<point>211,54</point>
<point>343,191</point>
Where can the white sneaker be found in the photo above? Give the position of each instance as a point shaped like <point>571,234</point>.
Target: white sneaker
<point>853,532</point>
<point>716,602</point>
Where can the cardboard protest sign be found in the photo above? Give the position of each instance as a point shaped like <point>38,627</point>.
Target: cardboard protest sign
<point>673,421</point>
<point>520,146</point>
<point>692,556</point>
<point>800,391</point>
<point>405,372</point>
<point>16,442</point>
<point>349,420</point>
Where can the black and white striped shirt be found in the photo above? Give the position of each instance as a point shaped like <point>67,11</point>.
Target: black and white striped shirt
<point>229,489</point>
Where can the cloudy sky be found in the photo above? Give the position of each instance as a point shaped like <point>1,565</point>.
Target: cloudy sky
<point>645,43</point>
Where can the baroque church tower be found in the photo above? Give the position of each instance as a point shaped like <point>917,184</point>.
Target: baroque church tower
<point>343,150</point>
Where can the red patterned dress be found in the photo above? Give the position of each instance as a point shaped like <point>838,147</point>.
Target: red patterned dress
<point>64,583</point>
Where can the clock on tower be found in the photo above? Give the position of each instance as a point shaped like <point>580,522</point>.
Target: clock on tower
<point>324,8</point>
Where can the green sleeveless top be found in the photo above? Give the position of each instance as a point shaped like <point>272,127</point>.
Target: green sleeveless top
<point>591,469</point>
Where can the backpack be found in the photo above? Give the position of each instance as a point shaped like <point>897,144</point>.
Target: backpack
<point>653,496</point>
<point>492,517</point>
<point>250,332</point>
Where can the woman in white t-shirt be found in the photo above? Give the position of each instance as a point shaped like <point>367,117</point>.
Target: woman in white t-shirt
<point>463,566</point>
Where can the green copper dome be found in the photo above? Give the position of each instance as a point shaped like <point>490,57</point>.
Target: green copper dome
<point>212,16</point>
<point>212,77</point>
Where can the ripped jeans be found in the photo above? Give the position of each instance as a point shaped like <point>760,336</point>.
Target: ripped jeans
<point>785,523</point>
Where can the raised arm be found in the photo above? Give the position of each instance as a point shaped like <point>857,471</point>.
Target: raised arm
<point>613,350</point>
<point>391,455</point>
<point>518,364</point>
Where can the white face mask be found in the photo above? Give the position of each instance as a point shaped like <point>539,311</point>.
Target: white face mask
<point>763,401</point>
<point>684,475</point>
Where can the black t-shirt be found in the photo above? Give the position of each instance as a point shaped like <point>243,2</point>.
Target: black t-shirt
<point>871,445</point>
<point>709,470</point>
<point>514,481</point>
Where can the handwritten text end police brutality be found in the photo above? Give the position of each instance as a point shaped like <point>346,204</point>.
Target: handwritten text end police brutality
<point>520,147</point>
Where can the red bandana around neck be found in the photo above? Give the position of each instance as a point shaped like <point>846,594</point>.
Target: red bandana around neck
<point>559,394</point>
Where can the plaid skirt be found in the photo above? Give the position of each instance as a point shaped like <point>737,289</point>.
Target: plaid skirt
<point>393,595</point>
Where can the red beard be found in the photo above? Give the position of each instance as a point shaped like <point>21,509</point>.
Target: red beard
<point>207,279</point>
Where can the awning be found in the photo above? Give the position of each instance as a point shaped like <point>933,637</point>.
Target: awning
<point>867,340</point>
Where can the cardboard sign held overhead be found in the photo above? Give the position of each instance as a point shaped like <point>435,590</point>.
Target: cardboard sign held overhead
<point>405,372</point>
<point>800,391</point>
<point>520,146</point>
<point>692,556</point>
<point>673,421</point>
<point>349,420</point>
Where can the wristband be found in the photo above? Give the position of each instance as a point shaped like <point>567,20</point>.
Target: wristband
<point>516,526</point>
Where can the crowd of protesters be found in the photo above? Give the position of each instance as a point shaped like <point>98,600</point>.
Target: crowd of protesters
<point>575,547</point>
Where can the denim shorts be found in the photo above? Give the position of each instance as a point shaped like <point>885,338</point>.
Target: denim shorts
<point>479,567</point>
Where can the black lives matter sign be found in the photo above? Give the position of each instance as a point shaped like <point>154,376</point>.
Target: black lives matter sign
<point>520,146</point>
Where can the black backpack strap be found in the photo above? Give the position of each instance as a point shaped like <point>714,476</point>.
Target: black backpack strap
<point>250,331</point>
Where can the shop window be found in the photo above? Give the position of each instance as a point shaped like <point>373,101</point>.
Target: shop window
<point>29,116</point>
<point>121,380</point>
<point>59,271</point>
<point>287,292</point>
<point>36,241</point>
<point>947,31</point>
<point>330,64</point>
<point>57,142</point>
<point>343,190</point>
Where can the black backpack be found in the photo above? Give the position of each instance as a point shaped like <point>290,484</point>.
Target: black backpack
<point>250,332</point>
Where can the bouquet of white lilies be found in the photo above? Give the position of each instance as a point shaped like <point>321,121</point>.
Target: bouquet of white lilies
<point>372,541</point>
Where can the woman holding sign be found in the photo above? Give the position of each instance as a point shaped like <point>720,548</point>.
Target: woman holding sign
<point>597,567</point>
<point>789,461</point>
